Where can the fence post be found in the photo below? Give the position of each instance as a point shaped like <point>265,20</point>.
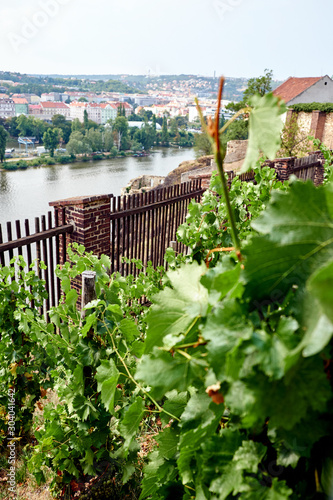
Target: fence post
<point>91,218</point>
<point>88,290</point>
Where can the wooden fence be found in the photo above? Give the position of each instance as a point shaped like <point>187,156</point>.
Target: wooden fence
<point>42,243</point>
<point>144,225</point>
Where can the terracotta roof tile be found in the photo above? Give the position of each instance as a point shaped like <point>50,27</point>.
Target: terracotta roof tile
<point>292,87</point>
<point>50,104</point>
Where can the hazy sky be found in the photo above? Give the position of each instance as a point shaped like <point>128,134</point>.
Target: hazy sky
<point>231,37</point>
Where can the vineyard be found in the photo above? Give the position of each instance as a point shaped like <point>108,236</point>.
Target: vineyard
<point>218,385</point>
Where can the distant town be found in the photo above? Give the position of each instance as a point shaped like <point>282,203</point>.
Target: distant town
<point>71,96</point>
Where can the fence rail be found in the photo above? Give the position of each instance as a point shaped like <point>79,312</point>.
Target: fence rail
<point>143,225</point>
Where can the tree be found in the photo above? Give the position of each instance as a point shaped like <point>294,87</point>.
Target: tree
<point>165,133</point>
<point>120,126</point>
<point>108,140</point>
<point>95,139</point>
<point>83,99</point>
<point>76,125</point>
<point>59,121</point>
<point>85,119</point>
<point>202,145</point>
<point>3,140</point>
<point>78,144</point>
<point>260,85</point>
<point>51,139</point>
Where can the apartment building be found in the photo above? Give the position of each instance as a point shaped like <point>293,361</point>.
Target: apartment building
<point>54,108</point>
<point>7,108</point>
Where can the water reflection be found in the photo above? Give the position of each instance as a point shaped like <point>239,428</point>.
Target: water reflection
<point>27,193</point>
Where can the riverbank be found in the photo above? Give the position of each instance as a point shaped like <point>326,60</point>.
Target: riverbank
<point>44,161</point>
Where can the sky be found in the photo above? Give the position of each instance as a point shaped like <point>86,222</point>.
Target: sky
<point>236,38</point>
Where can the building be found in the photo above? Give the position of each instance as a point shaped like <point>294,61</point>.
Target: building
<point>7,108</point>
<point>35,109</point>
<point>94,111</point>
<point>21,106</point>
<point>127,107</point>
<point>54,97</point>
<point>305,90</point>
<point>108,112</point>
<point>54,108</point>
<point>145,100</point>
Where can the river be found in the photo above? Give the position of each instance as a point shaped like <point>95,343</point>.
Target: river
<point>25,194</point>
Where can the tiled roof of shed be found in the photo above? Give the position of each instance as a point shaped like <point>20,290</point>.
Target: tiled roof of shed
<point>292,87</point>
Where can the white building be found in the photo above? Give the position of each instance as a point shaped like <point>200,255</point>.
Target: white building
<point>7,108</point>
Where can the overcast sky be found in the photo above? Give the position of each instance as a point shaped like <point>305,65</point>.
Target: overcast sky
<point>231,37</point>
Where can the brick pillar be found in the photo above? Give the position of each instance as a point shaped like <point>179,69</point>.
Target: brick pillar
<point>284,168</point>
<point>319,173</point>
<point>90,216</point>
<point>318,120</point>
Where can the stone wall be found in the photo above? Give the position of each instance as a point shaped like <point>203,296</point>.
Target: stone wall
<point>316,123</point>
<point>142,184</point>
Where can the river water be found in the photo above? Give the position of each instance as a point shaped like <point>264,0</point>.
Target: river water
<point>25,194</point>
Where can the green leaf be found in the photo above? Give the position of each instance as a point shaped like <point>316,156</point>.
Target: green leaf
<point>296,238</point>
<point>174,309</point>
<point>163,372</point>
<point>225,329</point>
<point>131,421</point>
<point>320,285</point>
<point>71,298</point>
<point>129,329</point>
<point>107,376</point>
<point>265,127</point>
<point>168,442</point>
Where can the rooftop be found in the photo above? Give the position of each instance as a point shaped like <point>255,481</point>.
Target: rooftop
<point>293,87</point>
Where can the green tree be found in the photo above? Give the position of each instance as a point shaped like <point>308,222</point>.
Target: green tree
<point>85,119</point>
<point>76,125</point>
<point>202,145</point>
<point>59,121</point>
<point>3,139</point>
<point>165,133</point>
<point>255,86</point>
<point>108,140</point>
<point>51,139</point>
<point>78,143</point>
<point>120,126</point>
<point>95,139</point>
<point>83,99</point>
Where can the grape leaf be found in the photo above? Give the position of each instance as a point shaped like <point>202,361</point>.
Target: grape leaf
<point>107,376</point>
<point>265,126</point>
<point>296,237</point>
<point>131,421</point>
<point>320,285</point>
<point>174,309</point>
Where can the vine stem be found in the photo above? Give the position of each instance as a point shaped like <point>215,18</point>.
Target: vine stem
<point>219,158</point>
<point>130,376</point>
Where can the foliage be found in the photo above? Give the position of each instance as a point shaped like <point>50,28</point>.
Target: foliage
<point>207,225</point>
<point>255,87</point>
<point>3,140</point>
<point>293,141</point>
<point>51,139</point>
<point>78,143</point>
<point>307,107</point>
<point>328,157</point>
<point>165,133</point>
<point>202,145</point>
<point>23,367</point>
<point>92,360</point>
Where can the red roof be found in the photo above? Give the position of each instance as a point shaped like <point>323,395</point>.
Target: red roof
<point>293,87</point>
<point>49,104</point>
<point>20,100</point>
